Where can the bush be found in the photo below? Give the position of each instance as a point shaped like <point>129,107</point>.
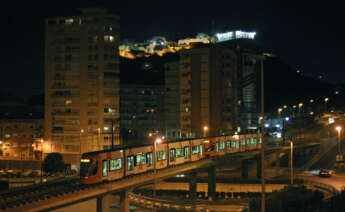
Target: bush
<point>53,163</point>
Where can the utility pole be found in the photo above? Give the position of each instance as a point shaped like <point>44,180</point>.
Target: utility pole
<point>112,134</point>
<point>263,201</point>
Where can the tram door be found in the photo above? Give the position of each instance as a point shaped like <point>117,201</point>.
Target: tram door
<point>172,154</point>
<point>105,168</point>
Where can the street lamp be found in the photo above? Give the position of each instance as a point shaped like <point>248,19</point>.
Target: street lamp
<point>157,141</point>
<point>326,100</point>
<point>339,156</point>
<point>205,130</point>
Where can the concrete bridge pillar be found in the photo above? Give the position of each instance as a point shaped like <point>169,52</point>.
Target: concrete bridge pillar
<point>244,169</point>
<point>104,202</point>
<point>192,185</point>
<point>124,201</point>
<point>212,182</point>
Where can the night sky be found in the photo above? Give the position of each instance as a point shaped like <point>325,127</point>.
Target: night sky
<point>308,36</point>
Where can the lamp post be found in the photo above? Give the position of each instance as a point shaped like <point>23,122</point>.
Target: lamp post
<point>339,157</point>
<point>291,161</point>
<point>205,130</point>
<point>158,140</point>
<point>326,100</point>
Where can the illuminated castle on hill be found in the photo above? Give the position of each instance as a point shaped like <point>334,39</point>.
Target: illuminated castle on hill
<point>159,45</point>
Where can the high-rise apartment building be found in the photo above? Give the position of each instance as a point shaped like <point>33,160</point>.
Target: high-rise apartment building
<point>218,90</point>
<point>81,82</point>
<point>172,100</point>
<point>141,111</point>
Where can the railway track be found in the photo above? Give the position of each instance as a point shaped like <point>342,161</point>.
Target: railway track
<point>21,196</point>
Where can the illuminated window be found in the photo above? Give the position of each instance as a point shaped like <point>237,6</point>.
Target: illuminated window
<point>140,159</point>
<point>222,145</point>
<point>179,152</point>
<point>109,38</point>
<point>69,21</point>
<point>115,164</point>
<point>195,150</point>
<point>68,102</point>
<point>162,155</point>
<point>149,159</point>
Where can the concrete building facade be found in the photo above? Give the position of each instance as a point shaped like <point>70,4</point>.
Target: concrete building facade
<point>22,139</point>
<point>141,111</point>
<point>81,82</point>
<point>172,100</point>
<point>218,90</point>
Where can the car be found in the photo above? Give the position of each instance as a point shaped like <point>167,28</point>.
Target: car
<point>325,173</point>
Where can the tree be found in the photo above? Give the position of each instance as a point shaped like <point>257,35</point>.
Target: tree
<point>53,163</point>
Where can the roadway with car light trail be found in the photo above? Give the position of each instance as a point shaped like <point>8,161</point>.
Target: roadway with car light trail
<point>61,200</point>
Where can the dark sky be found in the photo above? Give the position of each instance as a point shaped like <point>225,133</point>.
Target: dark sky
<point>309,36</point>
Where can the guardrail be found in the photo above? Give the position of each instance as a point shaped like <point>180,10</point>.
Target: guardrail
<point>322,186</point>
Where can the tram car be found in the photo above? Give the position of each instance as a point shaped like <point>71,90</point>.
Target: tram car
<point>109,165</point>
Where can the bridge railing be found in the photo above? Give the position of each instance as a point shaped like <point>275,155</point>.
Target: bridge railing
<point>322,186</point>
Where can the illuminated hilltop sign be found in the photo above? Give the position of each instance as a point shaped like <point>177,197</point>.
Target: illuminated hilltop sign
<point>234,35</point>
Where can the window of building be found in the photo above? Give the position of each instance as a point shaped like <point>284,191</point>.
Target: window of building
<point>109,38</point>
<point>69,21</point>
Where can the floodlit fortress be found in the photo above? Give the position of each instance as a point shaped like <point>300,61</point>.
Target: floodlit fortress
<point>159,45</point>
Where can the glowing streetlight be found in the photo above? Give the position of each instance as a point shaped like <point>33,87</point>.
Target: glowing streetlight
<point>326,100</point>
<point>312,100</point>
<point>339,156</point>
<point>205,130</point>
<point>285,106</point>
<point>280,110</point>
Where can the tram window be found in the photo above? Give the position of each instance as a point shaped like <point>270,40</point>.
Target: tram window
<point>130,163</point>
<point>115,164</point>
<point>186,152</point>
<point>162,155</point>
<point>234,144</point>
<point>228,145</point>
<point>149,159</point>
<point>94,168</point>
<point>201,152</point>
<point>217,146</point>
<point>221,145</point>
<point>254,140</point>
<point>179,152</point>
<point>105,168</point>
<point>172,154</point>
<point>140,159</point>
<point>243,142</point>
<point>260,140</point>
<point>195,150</point>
